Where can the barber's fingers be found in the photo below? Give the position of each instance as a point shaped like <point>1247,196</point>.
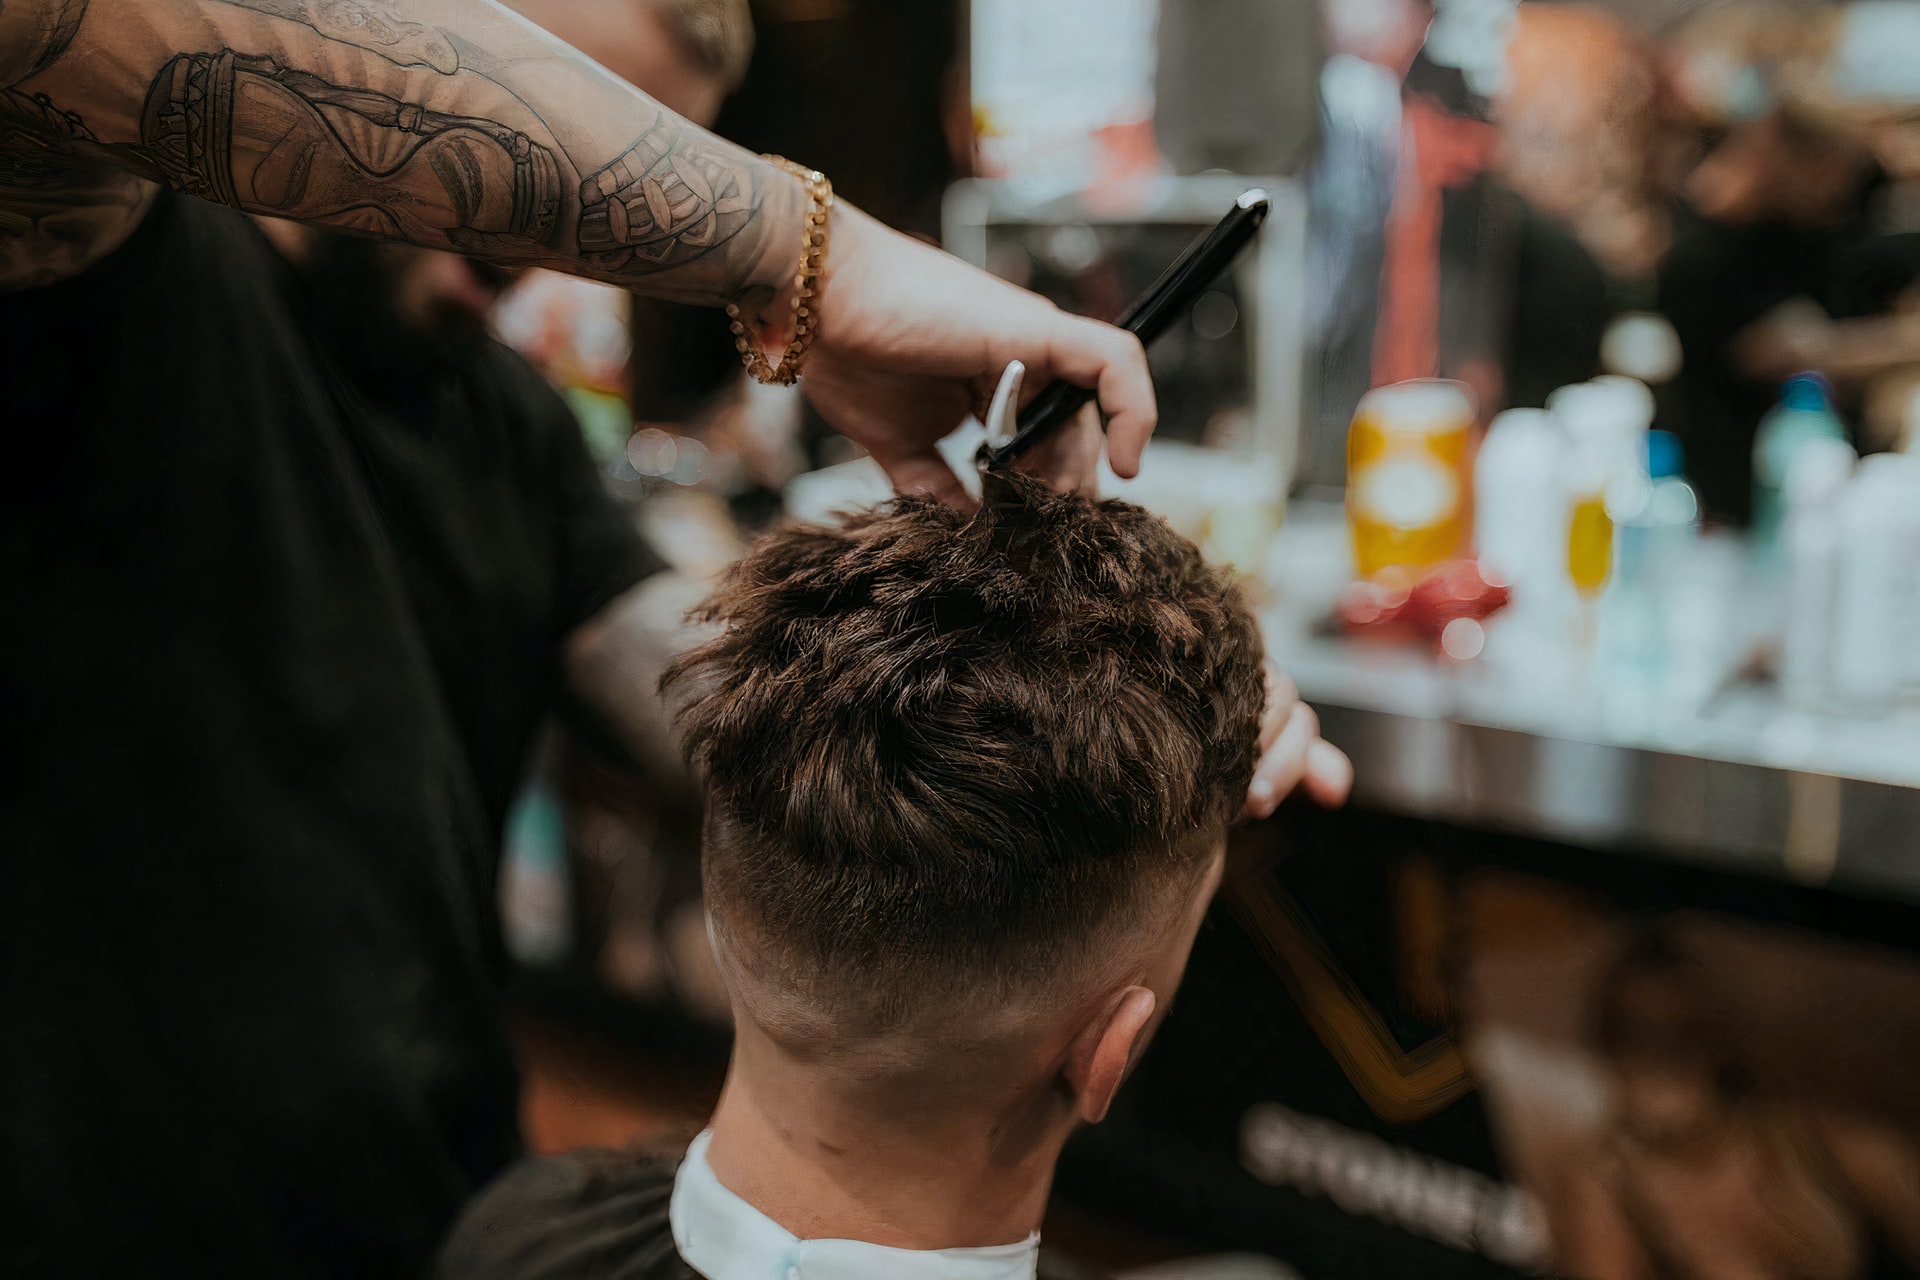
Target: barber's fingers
<point>1113,363</point>
<point>1070,458</point>
<point>1329,776</point>
<point>1299,758</point>
<point>1284,764</point>
<point>1282,697</point>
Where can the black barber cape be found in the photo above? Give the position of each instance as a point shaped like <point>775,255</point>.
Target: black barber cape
<point>590,1215</point>
<point>247,942</point>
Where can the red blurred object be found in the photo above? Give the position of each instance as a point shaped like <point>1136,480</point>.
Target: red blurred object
<point>1392,604</point>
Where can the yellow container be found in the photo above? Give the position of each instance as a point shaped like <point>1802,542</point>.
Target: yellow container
<point>1590,545</point>
<point>1409,459</point>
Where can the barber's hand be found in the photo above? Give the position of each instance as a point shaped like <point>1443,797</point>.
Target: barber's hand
<point>1293,754</point>
<point>911,340</point>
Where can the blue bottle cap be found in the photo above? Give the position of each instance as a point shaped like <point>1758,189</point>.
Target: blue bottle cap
<point>1807,391</point>
<point>1666,456</point>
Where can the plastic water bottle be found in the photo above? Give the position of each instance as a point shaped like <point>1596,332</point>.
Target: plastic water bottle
<point>1606,422</point>
<point>1810,547</point>
<point>1877,602</point>
<point>1805,412</point>
<point>1656,542</point>
<point>1520,513</point>
<point>1673,509</point>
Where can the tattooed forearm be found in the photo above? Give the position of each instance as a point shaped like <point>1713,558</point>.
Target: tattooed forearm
<point>369,25</point>
<point>249,132</point>
<point>365,115</point>
<point>663,202</point>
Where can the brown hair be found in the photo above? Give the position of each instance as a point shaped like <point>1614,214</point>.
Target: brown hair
<point>955,748</point>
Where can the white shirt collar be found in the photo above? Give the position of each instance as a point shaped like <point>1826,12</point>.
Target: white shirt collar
<point>724,1238</point>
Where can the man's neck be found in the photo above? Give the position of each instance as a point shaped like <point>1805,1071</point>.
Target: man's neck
<point>789,1148</point>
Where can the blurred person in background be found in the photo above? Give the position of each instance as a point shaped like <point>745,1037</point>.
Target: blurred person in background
<point>1782,267</point>
<point>248,951</point>
<point>1446,245</point>
<point>1580,138</point>
<point>1704,1174</point>
<point>1436,312</point>
<point>1578,118</point>
<point>1371,46</point>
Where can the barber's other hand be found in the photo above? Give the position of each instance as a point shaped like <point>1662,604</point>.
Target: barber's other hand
<point>1293,754</point>
<point>911,340</point>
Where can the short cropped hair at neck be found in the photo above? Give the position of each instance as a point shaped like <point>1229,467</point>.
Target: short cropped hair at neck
<point>948,752</point>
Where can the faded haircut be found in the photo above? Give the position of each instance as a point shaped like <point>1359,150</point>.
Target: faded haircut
<point>948,752</point>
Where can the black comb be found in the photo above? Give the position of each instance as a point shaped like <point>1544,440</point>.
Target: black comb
<point>1149,316</point>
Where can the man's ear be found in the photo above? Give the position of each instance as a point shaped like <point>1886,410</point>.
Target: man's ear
<point>1103,1052</point>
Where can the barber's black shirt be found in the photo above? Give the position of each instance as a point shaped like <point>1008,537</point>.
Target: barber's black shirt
<point>247,961</point>
<point>504,534</point>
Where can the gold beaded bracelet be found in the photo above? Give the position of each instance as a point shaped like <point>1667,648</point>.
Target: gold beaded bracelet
<point>812,255</point>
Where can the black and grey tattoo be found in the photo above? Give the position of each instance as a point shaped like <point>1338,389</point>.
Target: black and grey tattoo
<point>372,25</point>
<point>378,30</point>
<point>663,203</point>
<point>250,133</point>
<point>394,118</point>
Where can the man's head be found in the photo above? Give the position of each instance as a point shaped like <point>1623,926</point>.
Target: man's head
<point>687,54</point>
<point>1578,126</point>
<point>969,777</point>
